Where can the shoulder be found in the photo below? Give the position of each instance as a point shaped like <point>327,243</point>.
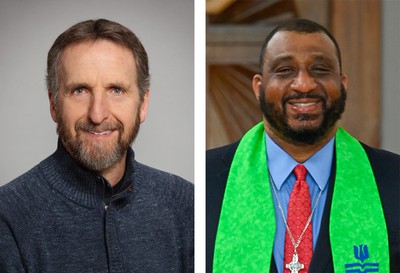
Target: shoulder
<point>219,160</point>
<point>161,179</point>
<point>167,188</point>
<point>23,198</point>
<point>380,153</point>
<point>224,153</point>
<point>21,188</point>
<point>218,163</point>
<point>386,167</point>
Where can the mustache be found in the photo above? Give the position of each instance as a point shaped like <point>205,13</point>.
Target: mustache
<point>104,126</point>
<point>309,95</point>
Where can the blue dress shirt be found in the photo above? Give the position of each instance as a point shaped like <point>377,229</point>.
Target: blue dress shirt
<point>281,165</point>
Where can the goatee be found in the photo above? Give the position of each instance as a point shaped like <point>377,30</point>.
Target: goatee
<point>93,155</point>
<point>306,135</point>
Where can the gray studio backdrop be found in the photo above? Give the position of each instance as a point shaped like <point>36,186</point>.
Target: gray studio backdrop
<point>27,30</point>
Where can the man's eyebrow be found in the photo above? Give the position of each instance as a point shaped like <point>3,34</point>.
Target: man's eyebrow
<point>76,84</point>
<point>119,84</point>
<point>323,58</point>
<point>273,61</point>
<point>73,85</point>
<point>282,58</point>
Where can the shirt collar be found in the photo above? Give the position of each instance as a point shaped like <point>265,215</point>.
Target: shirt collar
<point>281,164</point>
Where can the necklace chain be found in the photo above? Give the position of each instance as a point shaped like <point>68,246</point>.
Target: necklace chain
<point>295,244</point>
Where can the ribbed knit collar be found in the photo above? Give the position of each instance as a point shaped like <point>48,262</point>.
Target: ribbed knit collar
<point>77,183</point>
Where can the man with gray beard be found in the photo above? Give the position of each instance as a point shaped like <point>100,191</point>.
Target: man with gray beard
<point>90,206</point>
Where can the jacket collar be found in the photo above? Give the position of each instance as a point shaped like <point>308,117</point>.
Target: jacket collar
<point>78,184</point>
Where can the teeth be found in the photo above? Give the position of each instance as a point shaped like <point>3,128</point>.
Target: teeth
<point>304,104</point>
<point>101,133</point>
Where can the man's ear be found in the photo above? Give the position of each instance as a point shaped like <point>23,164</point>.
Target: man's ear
<point>144,106</point>
<point>53,110</point>
<point>257,84</point>
<point>344,81</point>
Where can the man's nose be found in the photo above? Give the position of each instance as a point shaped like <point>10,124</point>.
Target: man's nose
<point>98,109</point>
<point>303,82</point>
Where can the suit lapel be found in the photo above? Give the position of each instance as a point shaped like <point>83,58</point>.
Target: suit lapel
<point>322,258</point>
<point>217,176</point>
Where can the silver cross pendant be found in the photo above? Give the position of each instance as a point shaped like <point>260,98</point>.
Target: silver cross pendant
<point>294,266</point>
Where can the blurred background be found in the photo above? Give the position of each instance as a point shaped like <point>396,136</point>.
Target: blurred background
<point>369,37</point>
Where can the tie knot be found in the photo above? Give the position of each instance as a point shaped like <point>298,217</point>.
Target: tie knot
<point>300,172</point>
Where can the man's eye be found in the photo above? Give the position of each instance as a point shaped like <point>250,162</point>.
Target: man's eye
<point>284,70</point>
<point>321,69</point>
<point>117,90</point>
<point>79,91</point>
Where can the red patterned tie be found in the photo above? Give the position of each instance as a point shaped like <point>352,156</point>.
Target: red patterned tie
<point>299,210</point>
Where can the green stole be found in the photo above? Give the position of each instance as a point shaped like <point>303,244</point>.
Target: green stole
<point>246,229</point>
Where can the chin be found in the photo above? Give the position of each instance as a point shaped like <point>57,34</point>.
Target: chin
<point>305,123</point>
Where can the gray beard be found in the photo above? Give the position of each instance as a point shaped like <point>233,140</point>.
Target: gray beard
<point>97,156</point>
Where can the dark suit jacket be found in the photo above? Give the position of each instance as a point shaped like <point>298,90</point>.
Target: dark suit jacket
<point>386,167</point>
